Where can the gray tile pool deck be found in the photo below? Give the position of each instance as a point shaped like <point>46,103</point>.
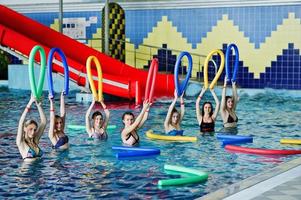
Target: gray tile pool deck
<point>279,183</point>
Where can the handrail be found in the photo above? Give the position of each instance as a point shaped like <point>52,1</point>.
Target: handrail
<point>146,45</point>
<point>139,56</point>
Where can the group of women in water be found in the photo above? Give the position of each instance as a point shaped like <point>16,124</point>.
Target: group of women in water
<point>30,132</point>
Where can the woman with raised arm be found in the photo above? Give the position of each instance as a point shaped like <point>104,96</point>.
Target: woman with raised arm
<point>129,134</point>
<point>29,133</point>
<point>98,130</point>
<point>56,132</point>
<point>174,117</point>
<point>228,106</point>
<point>206,118</point>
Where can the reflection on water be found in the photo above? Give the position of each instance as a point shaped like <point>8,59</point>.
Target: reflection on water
<point>228,131</point>
<point>89,169</point>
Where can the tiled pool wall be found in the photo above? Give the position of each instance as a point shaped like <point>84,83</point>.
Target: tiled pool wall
<point>268,38</point>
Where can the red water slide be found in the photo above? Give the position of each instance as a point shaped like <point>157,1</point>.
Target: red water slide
<point>21,34</point>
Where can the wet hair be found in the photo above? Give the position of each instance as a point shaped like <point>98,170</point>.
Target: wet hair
<point>57,117</point>
<point>30,121</point>
<point>228,97</point>
<point>174,110</point>
<point>211,112</point>
<point>96,113</point>
<point>127,113</point>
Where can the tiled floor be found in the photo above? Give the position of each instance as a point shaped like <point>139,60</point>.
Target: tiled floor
<point>274,188</point>
<point>290,190</point>
<point>280,183</point>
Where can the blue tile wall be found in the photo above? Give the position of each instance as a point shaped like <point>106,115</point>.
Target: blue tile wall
<point>48,19</point>
<point>284,73</point>
<point>167,61</point>
<point>256,23</point>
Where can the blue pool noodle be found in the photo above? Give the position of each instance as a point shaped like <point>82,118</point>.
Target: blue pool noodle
<point>181,88</point>
<point>136,153</point>
<point>49,71</point>
<point>237,141</point>
<point>232,137</point>
<point>137,149</point>
<point>235,63</point>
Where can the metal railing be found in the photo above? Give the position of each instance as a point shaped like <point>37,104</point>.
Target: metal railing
<point>140,57</point>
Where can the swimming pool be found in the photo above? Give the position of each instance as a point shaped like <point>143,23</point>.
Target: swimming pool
<point>89,169</point>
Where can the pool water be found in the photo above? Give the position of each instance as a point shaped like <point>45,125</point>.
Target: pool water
<point>89,169</point>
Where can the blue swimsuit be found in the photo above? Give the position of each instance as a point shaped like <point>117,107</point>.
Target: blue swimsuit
<point>62,141</point>
<point>32,154</point>
<point>175,132</point>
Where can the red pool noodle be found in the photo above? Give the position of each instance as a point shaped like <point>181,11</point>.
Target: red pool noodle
<point>259,151</point>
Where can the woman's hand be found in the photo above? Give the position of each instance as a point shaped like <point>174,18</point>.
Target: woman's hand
<point>93,100</point>
<point>225,82</point>
<point>32,99</point>
<point>146,103</point>
<point>50,98</point>
<point>203,91</point>
<point>175,94</point>
<point>182,98</point>
<point>103,104</point>
<point>38,102</point>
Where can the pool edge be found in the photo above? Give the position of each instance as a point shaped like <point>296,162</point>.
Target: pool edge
<point>251,181</point>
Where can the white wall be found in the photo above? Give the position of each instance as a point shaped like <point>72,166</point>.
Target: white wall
<point>18,78</point>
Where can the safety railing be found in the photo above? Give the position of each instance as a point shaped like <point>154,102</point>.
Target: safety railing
<point>141,56</point>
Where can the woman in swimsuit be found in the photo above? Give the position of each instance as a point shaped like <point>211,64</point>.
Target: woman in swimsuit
<point>174,117</point>
<point>29,133</point>
<point>207,118</point>
<point>228,106</point>
<point>99,127</point>
<point>129,135</point>
<point>56,132</point>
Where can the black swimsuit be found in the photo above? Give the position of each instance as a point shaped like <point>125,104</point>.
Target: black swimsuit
<point>136,139</point>
<point>231,120</point>
<point>207,126</point>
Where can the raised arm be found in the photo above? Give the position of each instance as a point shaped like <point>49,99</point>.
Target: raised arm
<point>145,116</point>
<point>197,105</point>
<point>107,113</point>
<point>52,119</point>
<point>171,107</point>
<point>216,104</point>
<point>234,95</point>
<point>223,101</point>
<point>19,138</point>
<point>182,108</point>
<point>88,125</point>
<point>137,121</point>
<point>62,108</point>
<point>42,125</point>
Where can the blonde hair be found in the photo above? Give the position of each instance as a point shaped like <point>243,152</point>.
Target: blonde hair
<point>57,117</point>
<point>30,121</point>
<point>27,123</point>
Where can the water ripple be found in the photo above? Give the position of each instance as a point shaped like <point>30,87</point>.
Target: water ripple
<point>89,169</point>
